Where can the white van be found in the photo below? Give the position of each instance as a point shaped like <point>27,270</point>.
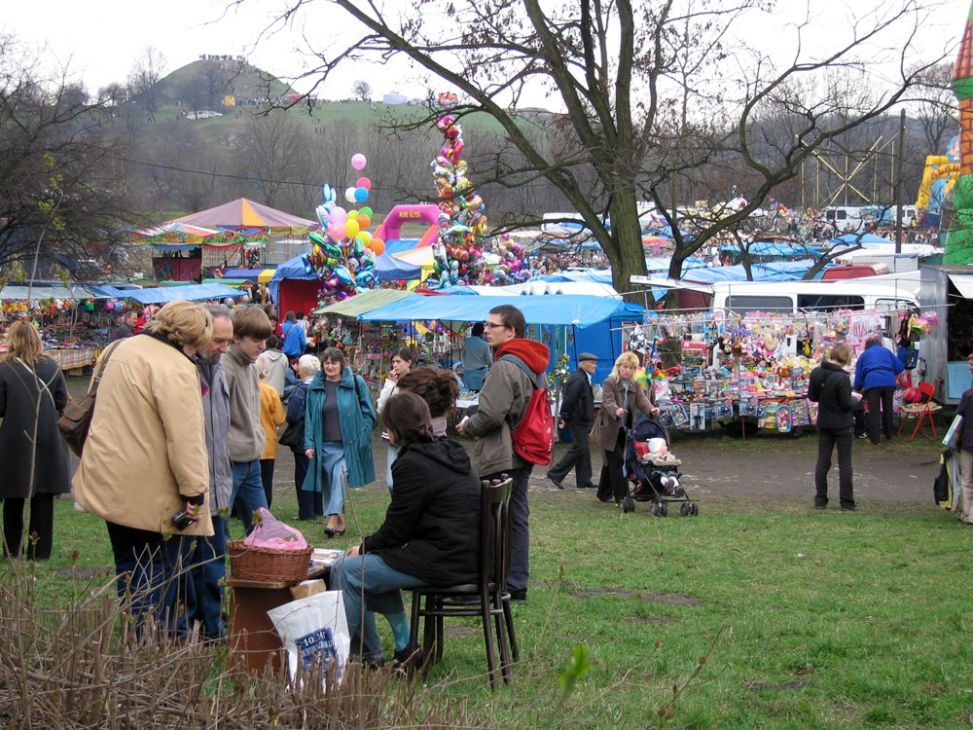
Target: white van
<point>845,218</point>
<point>811,296</point>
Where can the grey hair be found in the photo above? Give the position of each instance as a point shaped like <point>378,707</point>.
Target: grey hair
<point>219,310</point>
<point>309,364</point>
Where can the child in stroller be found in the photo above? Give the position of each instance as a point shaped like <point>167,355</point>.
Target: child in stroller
<point>654,471</point>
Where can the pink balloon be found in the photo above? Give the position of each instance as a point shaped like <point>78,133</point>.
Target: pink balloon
<point>337,231</point>
<point>364,182</point>
<point>338,215</point>
<point>358,161</point>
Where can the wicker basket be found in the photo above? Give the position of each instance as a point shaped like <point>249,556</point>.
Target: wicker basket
<point>270,565</point>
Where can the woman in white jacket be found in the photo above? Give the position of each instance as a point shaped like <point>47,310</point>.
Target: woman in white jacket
<point>401,364</point>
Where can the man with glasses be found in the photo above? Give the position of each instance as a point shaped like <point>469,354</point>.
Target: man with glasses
<point>503,402</point>
<point>209,558</point>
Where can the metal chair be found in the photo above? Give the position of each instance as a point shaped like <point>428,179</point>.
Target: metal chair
<point>487,599</point>
<point>924,411</point>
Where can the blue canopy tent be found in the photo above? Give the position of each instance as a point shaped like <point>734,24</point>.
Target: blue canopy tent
<point>161,295</point>
<point>587,321</point>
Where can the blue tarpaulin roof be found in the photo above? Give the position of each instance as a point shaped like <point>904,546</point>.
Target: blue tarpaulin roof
<point>290,269</point>
<point>775,271</point>
<point>566,309</point>
<point>160,295</point>
<point>853,238</point>
<point>389,268</point>
<point>771,248</point>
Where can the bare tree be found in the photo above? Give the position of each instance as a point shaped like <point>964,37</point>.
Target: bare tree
<point>937,108</point>
<point>62,189</point>
<point>646,96</point>
<point>144,77</point>
<point>362,90</point>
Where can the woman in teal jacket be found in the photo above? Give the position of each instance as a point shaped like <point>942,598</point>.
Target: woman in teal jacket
<point>337,436</point>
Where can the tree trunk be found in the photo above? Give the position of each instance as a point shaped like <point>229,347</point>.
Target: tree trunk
<point>628,257</point>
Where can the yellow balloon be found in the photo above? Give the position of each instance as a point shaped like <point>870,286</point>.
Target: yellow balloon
<point>365,237</point>
<point>351,228</point>
<point>352,215</point>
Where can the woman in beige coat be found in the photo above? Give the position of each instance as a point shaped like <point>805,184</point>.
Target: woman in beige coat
<point>621,399</point>
<point>145,460</point>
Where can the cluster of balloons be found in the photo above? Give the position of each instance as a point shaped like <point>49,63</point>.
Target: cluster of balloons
<point>458,257</point>
<point>343,252</point>
<point>511,269</point>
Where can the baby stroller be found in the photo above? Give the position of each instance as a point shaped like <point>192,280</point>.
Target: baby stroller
<point>655,477</point>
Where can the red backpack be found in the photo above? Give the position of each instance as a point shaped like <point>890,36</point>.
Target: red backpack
<point>533,438</point>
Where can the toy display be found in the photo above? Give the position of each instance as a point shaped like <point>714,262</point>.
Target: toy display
<point>753,368</point>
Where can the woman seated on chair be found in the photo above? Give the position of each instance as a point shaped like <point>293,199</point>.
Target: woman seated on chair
<point>430,535</point>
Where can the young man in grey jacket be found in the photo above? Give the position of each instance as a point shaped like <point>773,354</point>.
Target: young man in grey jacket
<point>246,438</point>
<point>209,558</point>
<point>503,402</point>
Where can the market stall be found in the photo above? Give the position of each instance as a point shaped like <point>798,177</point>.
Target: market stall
<point>710,369</point>
<point>73,319</point>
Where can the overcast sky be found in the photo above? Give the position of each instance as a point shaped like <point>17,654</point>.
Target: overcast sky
<point>101,39</point>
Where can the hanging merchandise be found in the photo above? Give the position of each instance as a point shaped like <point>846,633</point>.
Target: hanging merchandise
<point>754,367</point>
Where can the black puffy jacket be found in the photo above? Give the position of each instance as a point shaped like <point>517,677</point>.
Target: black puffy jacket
<point>830,388</point>
<point>432,526</point>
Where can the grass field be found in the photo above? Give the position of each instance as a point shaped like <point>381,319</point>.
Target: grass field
<point>801,618</point>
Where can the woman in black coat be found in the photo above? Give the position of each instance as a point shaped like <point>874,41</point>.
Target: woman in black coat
<point>32,395</point>
<point>830,388</point>
<point>430,535</point>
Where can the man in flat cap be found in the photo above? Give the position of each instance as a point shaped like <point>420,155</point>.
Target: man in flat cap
<point>577,413</point>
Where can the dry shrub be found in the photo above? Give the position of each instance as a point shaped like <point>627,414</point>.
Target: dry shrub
<point>81,665</point>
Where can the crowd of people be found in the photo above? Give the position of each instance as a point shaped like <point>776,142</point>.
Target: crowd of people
<point>210,396</point>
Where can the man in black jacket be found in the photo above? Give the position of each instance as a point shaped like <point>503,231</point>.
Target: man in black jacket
<point>577,413</point>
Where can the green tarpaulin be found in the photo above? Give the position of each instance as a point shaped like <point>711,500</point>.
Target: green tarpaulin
<point>366,302</point>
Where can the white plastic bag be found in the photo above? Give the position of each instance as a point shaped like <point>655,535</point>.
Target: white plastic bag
<point>314,630</point>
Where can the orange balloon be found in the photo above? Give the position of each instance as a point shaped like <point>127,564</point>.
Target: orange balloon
<point>364,221</point>
<point>377,245</point>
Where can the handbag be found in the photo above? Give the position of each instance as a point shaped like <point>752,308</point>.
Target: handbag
<point>76,418</point>
<point>293,436</point>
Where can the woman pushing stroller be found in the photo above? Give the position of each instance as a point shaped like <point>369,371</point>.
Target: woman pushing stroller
<point>623,398</point>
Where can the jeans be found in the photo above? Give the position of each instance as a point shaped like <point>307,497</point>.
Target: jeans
<point>309,504</point>
<point>267,479</point>
<point>369,578</point>
<point>41,523</point>
<point>207,574</point>
<point>151,574</point>
<point>828,438</point>
<point>578,457</point>
<point>248,490</point>
<point>875,396</point>
<point>519,574</point>
<point>331,460</point>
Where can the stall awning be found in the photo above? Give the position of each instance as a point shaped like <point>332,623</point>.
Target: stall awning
<point>19,293</point>
<point>964,283</point>
<point>190,292</point>
<point>566,309</point>
<point>366,302</point>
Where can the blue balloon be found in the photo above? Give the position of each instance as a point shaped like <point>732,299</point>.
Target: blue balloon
<point>344,276</point>
<point>327,194</point>
<point>361,195</point>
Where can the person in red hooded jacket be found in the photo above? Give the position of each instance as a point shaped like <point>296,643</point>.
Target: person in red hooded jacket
<point>503,402</point>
